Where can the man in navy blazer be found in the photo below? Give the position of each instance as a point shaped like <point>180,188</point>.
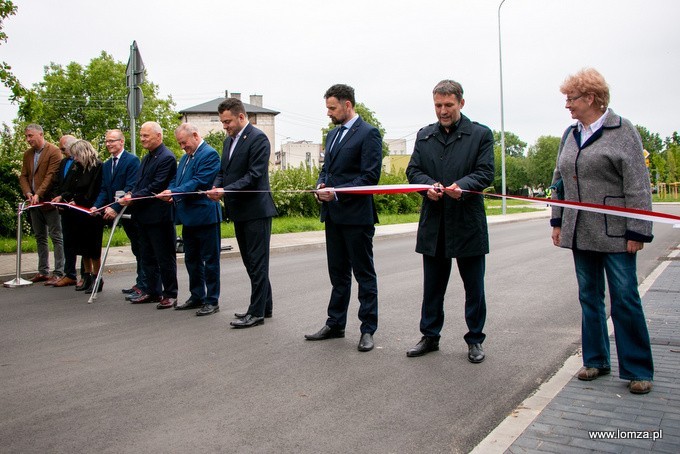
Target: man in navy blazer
<point>353,157</point>
<point>155,217</point>
<point>201,219</point>
<point>120,177</point>
<point>245,167</point>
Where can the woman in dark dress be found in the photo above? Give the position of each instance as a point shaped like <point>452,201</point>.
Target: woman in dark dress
<point>83,232</point>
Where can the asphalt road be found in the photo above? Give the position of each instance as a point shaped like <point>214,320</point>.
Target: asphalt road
<point>114,377</point>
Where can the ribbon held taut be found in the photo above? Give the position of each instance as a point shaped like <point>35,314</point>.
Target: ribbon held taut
<point>653,216</point>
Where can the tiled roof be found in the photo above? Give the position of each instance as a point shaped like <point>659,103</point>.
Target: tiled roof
<point>211,107</point>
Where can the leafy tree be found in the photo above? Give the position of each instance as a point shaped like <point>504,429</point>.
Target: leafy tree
<point>369,117</point>
<point>216,139</point>
<point>650,141</point>
<point>9,80</point>
<point>86,101</point>
<point>542,157</point>
<point>514,146</point>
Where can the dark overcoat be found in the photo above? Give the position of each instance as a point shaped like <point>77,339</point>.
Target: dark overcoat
<point>466,158</point>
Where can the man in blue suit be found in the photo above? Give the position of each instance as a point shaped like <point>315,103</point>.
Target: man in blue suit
<point>118,176</point>
<point>353,157</point>
<point>155,218</point>
<point>201,219</point>
<point>245,167</point>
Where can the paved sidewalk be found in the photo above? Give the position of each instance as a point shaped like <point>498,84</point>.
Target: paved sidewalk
<point>567,410</point>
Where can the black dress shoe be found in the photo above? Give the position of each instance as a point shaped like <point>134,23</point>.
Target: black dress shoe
<point>145,298</point>
<point>326,333</point>
<point>188,304</point>
<point>426,345</point>
<point>366,343</point>
<point>475,353</point>
<point>247,321</point>
<point>91,288</point>
<point>243,314</point>
<point>207,309</point>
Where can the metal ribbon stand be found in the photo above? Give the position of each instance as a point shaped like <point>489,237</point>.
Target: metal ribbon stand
<point>95,286</point>
<point>18,281</point>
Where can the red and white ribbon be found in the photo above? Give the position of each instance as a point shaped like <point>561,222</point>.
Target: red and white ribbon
<point>632,213</point>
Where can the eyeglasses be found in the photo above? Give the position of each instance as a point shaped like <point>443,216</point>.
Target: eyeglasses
<point>570,100</point>
<point>112,140</point>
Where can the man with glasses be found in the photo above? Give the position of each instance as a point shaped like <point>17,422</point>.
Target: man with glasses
<point>38,171</point>
<point>119,173</point>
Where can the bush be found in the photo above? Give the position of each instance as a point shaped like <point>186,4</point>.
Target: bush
<point>397,203</point>
<point>295,204</point>
<point>11,157</point>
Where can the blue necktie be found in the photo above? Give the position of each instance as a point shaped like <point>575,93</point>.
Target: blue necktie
<point>338,138</point>
<point>113,165</point>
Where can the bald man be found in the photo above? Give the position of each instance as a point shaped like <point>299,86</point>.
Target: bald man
<point>156,218</point>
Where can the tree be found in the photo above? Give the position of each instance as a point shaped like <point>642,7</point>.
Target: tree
<point>514,146</point>
<point>369,117</point>
<point>9,80</point>
<point>542,157</point>
<point>216,139</point>
<point>650,141</point>
<point>86,101</point>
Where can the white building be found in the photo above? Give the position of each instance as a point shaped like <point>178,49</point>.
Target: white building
<point>206,119</point>
<point>295,154</point>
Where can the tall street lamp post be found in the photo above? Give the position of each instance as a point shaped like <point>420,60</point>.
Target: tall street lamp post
<point>500,61</point>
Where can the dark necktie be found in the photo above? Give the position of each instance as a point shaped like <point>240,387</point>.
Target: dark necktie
<point>338,138</point>
<point>186,164</point>
<point>113,166</point>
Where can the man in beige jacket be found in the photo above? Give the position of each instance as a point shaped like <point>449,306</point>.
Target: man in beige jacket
<point>38,172</point>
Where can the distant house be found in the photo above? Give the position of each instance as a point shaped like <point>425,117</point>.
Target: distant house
<point>206,119</point>
<point>294,154</point>
<point>398,158</point>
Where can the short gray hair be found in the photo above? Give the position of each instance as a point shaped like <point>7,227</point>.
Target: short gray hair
<point>34,127</point>
<point>187,127</point>
<point>449,87</point>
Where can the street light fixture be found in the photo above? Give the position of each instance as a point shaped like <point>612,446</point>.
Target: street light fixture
<point>500,61</point>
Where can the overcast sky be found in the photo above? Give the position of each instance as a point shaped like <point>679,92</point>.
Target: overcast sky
<point>392,52</point>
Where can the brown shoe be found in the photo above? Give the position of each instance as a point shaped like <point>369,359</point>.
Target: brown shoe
<point>640,386</point>
<point>65,282</point>
<point>39,278</point>
<point>591,373</point>
<point>52,280</point>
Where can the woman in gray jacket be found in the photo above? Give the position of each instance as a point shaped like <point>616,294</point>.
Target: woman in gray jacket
<point>601,161</point>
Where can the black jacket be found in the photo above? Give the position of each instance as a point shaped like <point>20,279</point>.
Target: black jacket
<point>466,158</point>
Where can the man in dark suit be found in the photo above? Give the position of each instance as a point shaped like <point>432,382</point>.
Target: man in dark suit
<point>155,218</point>
<point>245,167</point>
<point>353,157</point>
<point>201,219</point>
<point>452,154</point>
<point>118,176</point>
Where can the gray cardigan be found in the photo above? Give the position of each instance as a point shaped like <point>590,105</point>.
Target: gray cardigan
<point>609,169</point>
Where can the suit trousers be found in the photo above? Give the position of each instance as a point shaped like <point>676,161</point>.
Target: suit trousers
<point>349,248</point>
<point>202,260</point>
<point>44,223</point>
<point>437,271</point>
<point>132,231</point>
<point>253,238</point>
<point>159,261</point>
